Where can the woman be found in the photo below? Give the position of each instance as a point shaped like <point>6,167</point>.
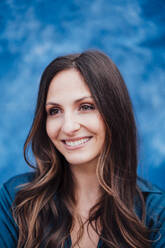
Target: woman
<point>84,190</point>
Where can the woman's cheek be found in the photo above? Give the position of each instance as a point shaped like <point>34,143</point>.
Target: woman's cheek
<point>52,127</point>
<point>92,122</point>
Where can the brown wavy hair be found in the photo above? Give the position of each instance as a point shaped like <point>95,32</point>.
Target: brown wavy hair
<point>43,208</point>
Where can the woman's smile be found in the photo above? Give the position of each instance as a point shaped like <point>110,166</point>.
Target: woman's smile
<point>76,143</point>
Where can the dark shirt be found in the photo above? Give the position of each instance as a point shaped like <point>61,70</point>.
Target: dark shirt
<point>155,212</point>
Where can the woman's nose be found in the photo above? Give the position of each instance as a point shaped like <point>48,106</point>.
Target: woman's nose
<point>70,124</point>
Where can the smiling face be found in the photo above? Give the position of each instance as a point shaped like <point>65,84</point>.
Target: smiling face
<point>74,123</point>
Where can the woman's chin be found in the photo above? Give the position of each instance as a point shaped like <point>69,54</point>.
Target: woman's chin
<point>82,161</point>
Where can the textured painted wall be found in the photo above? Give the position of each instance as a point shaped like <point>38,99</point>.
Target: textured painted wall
<point>32,33</point>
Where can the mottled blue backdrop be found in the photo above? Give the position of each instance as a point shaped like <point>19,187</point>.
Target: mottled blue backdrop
<point>33,32</point>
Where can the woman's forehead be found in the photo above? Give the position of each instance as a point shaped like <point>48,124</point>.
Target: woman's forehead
<point>66,84</point>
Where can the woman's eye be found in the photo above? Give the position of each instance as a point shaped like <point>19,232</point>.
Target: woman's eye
<point>86,107</point>
<point>53,111</point>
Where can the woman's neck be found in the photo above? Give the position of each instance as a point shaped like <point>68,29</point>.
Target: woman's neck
<point>87,190</point>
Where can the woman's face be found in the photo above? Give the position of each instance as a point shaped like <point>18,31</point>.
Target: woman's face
<point>74,123</point>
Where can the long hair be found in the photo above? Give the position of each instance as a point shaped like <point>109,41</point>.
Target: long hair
<point>43,208</point>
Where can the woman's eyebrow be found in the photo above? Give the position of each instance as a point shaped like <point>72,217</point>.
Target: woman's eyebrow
<point>83,98</point>
<point>52,103</point>
<point>76,101</point>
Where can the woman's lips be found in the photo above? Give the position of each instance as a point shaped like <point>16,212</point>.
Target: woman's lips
<point>77,142</point>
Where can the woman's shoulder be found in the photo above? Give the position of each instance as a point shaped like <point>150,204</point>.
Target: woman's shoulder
<point>13,185</point>
<point>153,195</point>
<point>20,179</point>
<point>8,227</point>
<point>155,211</point>
<point>146,186</point>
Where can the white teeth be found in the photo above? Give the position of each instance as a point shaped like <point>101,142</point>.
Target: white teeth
<point>76,143</point>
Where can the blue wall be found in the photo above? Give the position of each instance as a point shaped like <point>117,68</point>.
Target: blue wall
<point>32,33</point>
